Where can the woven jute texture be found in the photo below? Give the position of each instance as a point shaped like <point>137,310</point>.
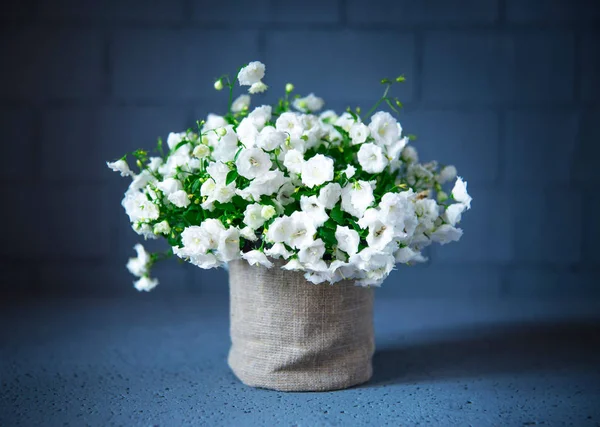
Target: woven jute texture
<point>288,334</point>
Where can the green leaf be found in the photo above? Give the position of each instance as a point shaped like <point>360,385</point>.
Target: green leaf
<point>337,215</point>
<point>412,137</point>
<point>231,176</point>
<point>181,144</point>
<point>328,236</point>
<point>195,186</point>
<point>237,153</point>
<point>342,131</point>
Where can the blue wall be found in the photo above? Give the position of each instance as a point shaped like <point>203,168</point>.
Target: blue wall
<point>507,90</point>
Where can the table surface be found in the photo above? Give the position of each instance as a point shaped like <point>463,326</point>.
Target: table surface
<point>146,361</point>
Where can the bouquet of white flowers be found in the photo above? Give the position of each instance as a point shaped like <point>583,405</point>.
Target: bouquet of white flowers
<point>335,196</point>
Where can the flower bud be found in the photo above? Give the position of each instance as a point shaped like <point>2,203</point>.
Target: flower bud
<point>289,87</point>
<point>219,85</point>
<point>221,131</point>
<point>267,212</point>
<point>442,196</point>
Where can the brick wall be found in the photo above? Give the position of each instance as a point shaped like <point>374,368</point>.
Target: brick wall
<point>507,90</point>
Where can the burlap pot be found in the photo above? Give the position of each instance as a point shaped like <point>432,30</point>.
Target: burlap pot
<point>288,334</point>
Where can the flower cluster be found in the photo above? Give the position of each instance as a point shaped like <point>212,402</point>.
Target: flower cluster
<point>334,196</point>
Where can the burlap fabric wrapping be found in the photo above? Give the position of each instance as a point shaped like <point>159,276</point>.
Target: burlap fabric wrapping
<point>291,335</point>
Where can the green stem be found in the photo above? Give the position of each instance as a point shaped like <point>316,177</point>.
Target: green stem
<point>377,103</point>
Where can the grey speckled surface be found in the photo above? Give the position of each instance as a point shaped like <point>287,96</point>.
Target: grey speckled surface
<point>439,362</point>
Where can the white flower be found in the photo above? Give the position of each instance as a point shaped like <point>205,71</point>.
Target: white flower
<point>225,145</point>
<point>270,138</point>
<point>256,257</point>
<point>251,74</point>
<point>371,158</point>
<point>200,239</point>
<point>169,186</point>
<point>290,124</point>
<point>205,261</point>
<point>359,133</point>
<point>145,284</point>
<point>410,155</point>
<point>293,161</point>
<point>347,239</point>
<point>357,197</point>
<point>380,234</point>
<point>427,210</point>
<point>267,212</point>
<point>241,102</point>
<point>247,132</point>
<point>350,171</point>
<point>229,244</point>
<point>253,217</point>
<point>376,266</point>
<point>144,230</point>
<point>453,213</point>
<point>208,188</point>
<point>218,171</point>
<point>330,194</point>
<point>201,151</point>
<point>293,265</point>
<point>328,116</point>
<point>162,227</point>
<point>285,192</point>
<point>345,121</point>
<point>314,209</point>
<point>120,166</point>
<point>224,193</point>
<point>317,170</point>
<point>393,153</point>
<point>139,208</point>
<point>405,255</point>
<point>155,163</point>
<point>312,253</point>
<point>459,192</point>
<point>258,87</point>
<point>302,231</point>
<point>253,162</point>
<point>448,173</point>
<point>248,234</point>
<point>260,116</point>
<point>214,121</point>
<point>194,240</point>
<point>446,234</point>
<point>308,104</point>
<point>263,185</point>
<point>138,266</point>
<point>278,250</point>
<point>384,128</point>
<point>396,208</point>
<point>175,138</point>
<point>179,199</point>
<point>280,230</point>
